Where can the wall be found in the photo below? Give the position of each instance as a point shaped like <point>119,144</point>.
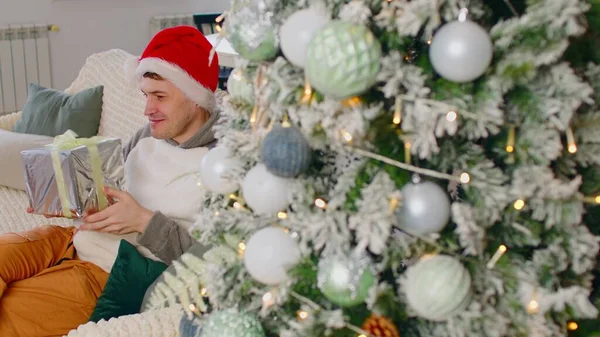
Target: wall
<point>90,26</point>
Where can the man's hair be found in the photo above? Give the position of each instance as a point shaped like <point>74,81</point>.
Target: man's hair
<point>154,76</point>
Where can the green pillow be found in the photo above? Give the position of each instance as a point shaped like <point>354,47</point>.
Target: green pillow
<point>51,113</point>
<point>129,278</point>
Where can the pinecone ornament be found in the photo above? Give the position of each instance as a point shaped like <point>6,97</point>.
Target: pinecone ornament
<point>380,326</point>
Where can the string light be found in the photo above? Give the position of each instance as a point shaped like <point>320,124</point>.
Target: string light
<point>352,102</point>
<point>519,204</point>
<point>572,147</point>
<point>407,158</point>
<point>286,121</point>
<point>510,143</point>
<point>254,115</point>
<point>203,292</point>
<point>499,252</point>
<point>307,93</point>
<point>592,200</point>
<point>363,335</point>
<point>465,178</point>
<point>302,315</point>
<point>320,203</point>
<point>572,326</point>
<point>346,136</point>
<point>451,116</point>
<point>268,300</point>
<point>282,215</point>
<point>533,307</point>
<point>397,119</point>
<point>394,202</point>
<point>241,248</point>
<point>237,205</point>
<point>217,213</point>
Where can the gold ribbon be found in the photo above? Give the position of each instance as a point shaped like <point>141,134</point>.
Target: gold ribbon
<point>69,141</point>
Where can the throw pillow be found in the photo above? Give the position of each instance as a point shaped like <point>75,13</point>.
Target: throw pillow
<point>11,166</point>
<point>129,278</point>
<point>51,113</point>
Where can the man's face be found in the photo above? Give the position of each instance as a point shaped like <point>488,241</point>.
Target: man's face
<point>170,112</point>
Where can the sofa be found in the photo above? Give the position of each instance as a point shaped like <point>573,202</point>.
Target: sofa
<point>122,115</point>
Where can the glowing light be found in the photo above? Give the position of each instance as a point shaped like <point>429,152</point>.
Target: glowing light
<point>346,136</point>
<point>572,326</point>
<point>451,116</point>
<point>320,203</point>
<point>519,204</point>
<point>465,178</point>
<point>268,300</point>
<point>237,205</point>
<point>597,199</point>
<point>282,215</point>
<point>510,148</point>
<point>302,315</point>
<point>533,307</point>
<point>203,292</point>
<point>572,148</point>
<point>499,252</point>
<point>217,213</point>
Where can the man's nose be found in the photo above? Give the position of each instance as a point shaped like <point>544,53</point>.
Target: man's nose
<point>151,107</point>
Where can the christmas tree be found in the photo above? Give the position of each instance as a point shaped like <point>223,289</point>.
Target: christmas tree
<point>401,168</point>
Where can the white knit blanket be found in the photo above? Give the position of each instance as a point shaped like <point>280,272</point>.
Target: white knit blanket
<point>159,323</point>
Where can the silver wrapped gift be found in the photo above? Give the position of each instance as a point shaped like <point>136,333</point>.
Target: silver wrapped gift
<point>66,178</point>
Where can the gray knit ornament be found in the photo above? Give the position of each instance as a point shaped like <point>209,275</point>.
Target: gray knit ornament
<point>285,152</point>
<point>189,327</point>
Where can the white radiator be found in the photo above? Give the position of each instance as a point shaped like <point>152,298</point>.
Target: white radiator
<point>24,59</point>
<point>159,23</point>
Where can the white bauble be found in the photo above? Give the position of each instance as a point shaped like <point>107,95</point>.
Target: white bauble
<point>216,163</point>
<point>265,192</point>
<point>438,287</point>
<point>425,208</point>
<point>297,31</point>
<point>269,253</point>
<point>461,51</point>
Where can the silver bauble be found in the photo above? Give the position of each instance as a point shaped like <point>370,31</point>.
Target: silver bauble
<point>461,51</point>
<point>425,208</point>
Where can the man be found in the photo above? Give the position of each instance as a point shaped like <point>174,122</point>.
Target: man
<point>51,277</point>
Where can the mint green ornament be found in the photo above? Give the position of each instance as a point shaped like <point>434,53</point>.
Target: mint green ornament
<point>345,280</point>
<point>231,323</point>
<point>343,60</point>
<point>251,32</point>
<point>239,86</point>
<point>438,287</point>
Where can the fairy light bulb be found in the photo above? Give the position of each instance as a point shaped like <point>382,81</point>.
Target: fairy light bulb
<point>572,326</point>
<point>346,136</point>
<point>320,203</point>
<point>571,145</point>
<point>394,202</point>
<point>307,92</point>
<point>519,204</point>
<point>499,252</point>
<point>282,215</point>
<point>397,119</point>
<point>302,315</point>
<point>254,115</point>
<point>237,205</point>
<point>533,307</point>
<point>597,199</point>
<point>203,292</point>
<point>352,102</point>
<point>465,178</point>
<point>268,300</point>
<point>451,116</point>
<point>241,248</point>
<point>510,141</point>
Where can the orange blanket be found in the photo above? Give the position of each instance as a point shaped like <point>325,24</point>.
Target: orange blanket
<point>44,289</point>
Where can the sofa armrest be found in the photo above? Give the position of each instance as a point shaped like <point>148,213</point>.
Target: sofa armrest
<point>8,121</point>
<point>158,323</point>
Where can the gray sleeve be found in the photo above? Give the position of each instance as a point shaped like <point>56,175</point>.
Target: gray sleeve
<point>165,238</point>
<point>139,135</point>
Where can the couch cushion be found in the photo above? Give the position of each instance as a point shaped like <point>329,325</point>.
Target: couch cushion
<point>51,113</point>
<point>123,102</point>
<point>11,145</point>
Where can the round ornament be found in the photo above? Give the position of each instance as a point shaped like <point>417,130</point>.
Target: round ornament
<point>380,326</point>
<point>285,151</point>
<point>265,192</point>
<point>438,287</point>
<point>461,51</point>
<point>189,327</point>
<point>296,33</point>
<point>269,253</point>
<point>343,59</point>
<point>214,165</point>
<point>425,208</point>
<point>252,33</point>
<point>238,86</point>
<point>231,323</point>
<point>345,280</point>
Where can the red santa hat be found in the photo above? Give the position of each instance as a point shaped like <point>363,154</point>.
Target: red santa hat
<point>182,55</point>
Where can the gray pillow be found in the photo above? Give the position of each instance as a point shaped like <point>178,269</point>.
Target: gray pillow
<point>51,113</point>
<point>197,250</point>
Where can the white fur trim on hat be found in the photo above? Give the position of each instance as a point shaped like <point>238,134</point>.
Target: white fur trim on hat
<point>195,91</point>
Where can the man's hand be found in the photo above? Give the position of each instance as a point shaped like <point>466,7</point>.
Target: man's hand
<point>124,217</point>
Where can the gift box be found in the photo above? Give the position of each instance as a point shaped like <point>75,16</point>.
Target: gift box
<point>67,178</point>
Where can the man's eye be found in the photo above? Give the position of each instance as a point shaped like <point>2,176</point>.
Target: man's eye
<point>160,98</point>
